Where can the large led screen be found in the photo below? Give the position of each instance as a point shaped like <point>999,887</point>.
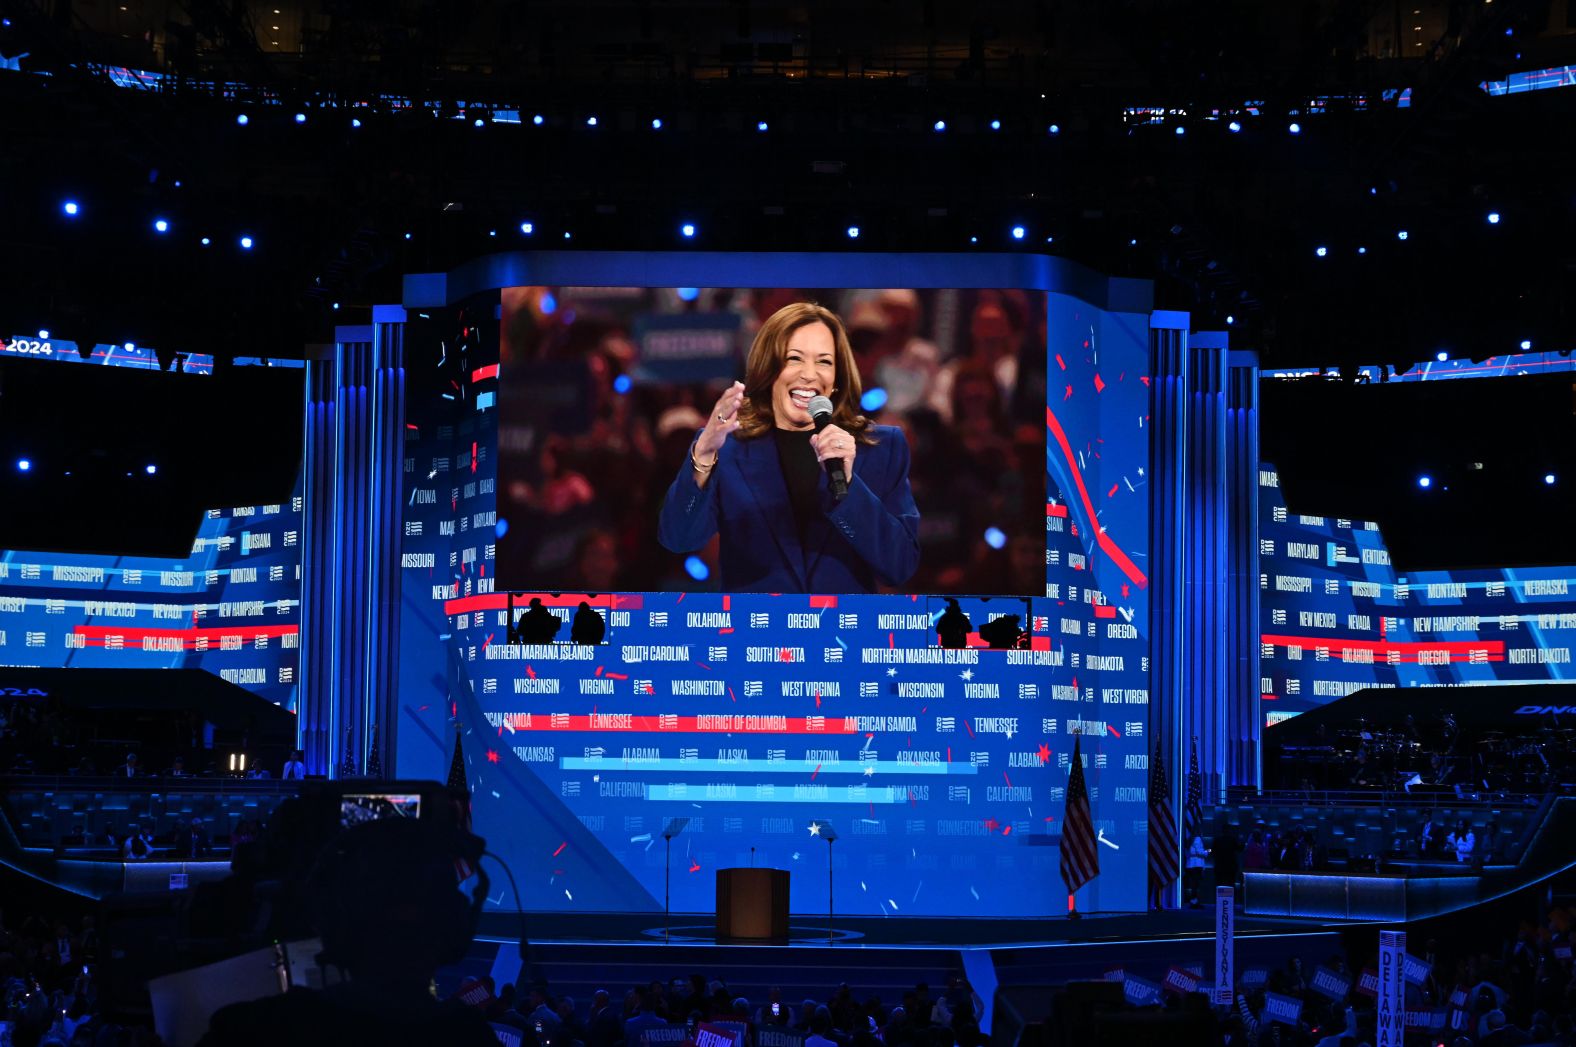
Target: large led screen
<point>929,729</point>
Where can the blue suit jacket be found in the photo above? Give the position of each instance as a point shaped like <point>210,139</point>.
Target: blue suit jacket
<point>871,534</point>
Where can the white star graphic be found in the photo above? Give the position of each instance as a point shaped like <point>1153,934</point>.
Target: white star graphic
<point>967,674</point>
<point>891,672</point>
<point>815,828</point>
<point>870,770</point>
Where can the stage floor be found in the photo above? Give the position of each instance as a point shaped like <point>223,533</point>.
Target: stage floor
<point>578,954</point>
<point>692,929</point>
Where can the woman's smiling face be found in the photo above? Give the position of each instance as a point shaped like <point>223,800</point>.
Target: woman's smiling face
<point>809,369</point>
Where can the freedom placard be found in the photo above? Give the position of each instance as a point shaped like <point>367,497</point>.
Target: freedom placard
<point>1140,992</point>
<point>1281,1008</point>
<point>1180,979</point>
<point>1330,983</point>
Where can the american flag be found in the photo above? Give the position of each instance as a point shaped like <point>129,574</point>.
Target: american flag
<point>1080,853</point>
<point>1193,813</point>
<point>460,796</point>
<point>1162,828</point>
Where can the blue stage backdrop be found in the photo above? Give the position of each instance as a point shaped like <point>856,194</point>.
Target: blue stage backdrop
<point>751,721</point>
<point>1338,616</point>
<point>233,607</point>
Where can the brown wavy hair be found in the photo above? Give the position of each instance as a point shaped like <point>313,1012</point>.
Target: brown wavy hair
<point>766,360</point>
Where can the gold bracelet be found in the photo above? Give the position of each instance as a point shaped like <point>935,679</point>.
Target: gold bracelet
<point>701,468</point>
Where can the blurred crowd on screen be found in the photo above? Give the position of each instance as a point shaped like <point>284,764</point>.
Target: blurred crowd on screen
<point>588,443</point>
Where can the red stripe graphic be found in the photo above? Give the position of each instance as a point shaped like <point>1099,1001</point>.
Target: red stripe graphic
<point>95,635</point>
<point>500,601</point>
<point>1107,610</point>
<point>1493,650</point>
<point>737,723</point>
<point>481,374</point>
<point>1118,557</point>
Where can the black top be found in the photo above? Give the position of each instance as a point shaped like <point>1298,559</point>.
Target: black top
<point>801,472</point>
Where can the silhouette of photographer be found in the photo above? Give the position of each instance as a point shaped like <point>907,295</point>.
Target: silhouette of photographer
<point>1003,634</point>
<point>385,901</point>
<point>953,626</point>
<point>588,628</point>
<point>537,625</point>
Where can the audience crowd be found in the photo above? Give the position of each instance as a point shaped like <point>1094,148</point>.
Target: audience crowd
<point>1427,753</point>
<point>1517,990</point>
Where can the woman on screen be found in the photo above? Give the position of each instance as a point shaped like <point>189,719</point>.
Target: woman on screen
<point>756,474</point>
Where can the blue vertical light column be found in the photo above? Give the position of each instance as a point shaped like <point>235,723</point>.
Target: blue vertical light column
<point>315,712</point>
<point>1244,720</point>
<point>1207,595</point>
<point>1192,607</point>
<point>350,585</point>
<point>384,534</point>
<point>1168,453</point>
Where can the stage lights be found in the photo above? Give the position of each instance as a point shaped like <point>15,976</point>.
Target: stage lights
<point>526,228</point>
<point>568,235</point>
<point>1401,234</point>
<point>1018,232</point>
<point>590,121</point>
<point>1493,218</point>
<point>762,125</point>
<point>479,122</point>
<point>873,399</point>
<point>241,120</point>
<point>696,568</point>
<point>995,537</point>
<point>687,230</point>
<point>300,118</point>
<point>656,123</point>
<point>355,122</point>
<point>1526,344</point>
<point>160,225</point>
<point>1441,356</point>
<point>688,294</point>
<point>151,469</point>
<point>1425,481</point>
<point>1362,250</point>
<point>246,243</point>
<point>407,236</point>
<point>1181,130</point>
<point>335,307</point>
<point>853,232</point>
<point>1230,319</point>
<point>1549,479</point>
<point>130,347</point>
<point>43,332</point>
<point>995,125</point>
<point>1234,127</point>
<point>1295,128</point>
<point>623,384</point>
<point>23,465</point>
<point>501,528</point>
<point>1054,129</point>
<point>538,120</point>
<point>206,241</point>
<point>1321,250</point>
<point>939,126</point>
<point>71,208</point>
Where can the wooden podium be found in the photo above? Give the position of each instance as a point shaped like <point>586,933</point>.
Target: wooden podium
<point>752,904</point>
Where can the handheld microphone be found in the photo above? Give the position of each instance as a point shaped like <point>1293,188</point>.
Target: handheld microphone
<point>821,413</point>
